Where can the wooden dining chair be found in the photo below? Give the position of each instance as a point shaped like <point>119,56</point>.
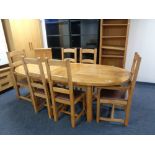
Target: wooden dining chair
<point>118,96</point>
<point>69,52</point>
<point>43,53</point>
<point>19,80</point>
<point>85,53</point>
<point>62,92</point>
<point>37,84</point>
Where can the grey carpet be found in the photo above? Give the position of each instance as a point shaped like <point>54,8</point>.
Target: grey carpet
<point>18,118</point>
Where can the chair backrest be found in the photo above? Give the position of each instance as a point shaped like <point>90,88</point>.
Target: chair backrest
<point>83,52</point>
<point>69,51</point>
<point>43,53</point>
<point>135,68</point>
<point>64,79</point>
<point>35,73</point>
<point>15,58</point>
<point>134,73</point>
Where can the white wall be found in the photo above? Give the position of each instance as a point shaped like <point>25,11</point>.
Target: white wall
<point>44,33</point>
<point>3,47</point>
<point>142,40</point>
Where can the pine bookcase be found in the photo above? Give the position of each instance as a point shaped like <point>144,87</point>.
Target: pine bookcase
<point>113,42</point>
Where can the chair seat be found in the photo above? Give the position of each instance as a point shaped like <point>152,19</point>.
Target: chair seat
<point>22,81</point>
<point>39,93</point>
<point>113,94</point>
<point>77,96</point>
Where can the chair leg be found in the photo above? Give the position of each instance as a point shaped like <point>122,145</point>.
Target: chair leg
<point>35,104</point>
<point>84,104</point>
<point>98,110</point>
<point>16,87</point>
<point>73,116</point>
<point>113,110</point>
<point>55,113</point>
<point>49,109</point>
<point>127,114</point>
<point>17,91</point>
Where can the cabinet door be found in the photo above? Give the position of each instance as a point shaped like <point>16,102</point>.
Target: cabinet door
<point>26,35</point>
<point>34,35</point>
<point>20,35</point>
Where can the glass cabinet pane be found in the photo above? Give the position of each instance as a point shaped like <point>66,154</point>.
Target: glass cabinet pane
<point>57,27</point>
<point>58,41</point>
<point>52,29</point>
<point>65,41</point>
<point>71,33</point>
<point>75,41</point>
<point>75,26</point>
<point>89,41</point>
<point>89,26</point>
<point>53,41</point>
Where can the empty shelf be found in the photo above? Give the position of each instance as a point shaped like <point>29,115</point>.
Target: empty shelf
<point>114,24</point>
<point>114,37</point>
<point>114,48</point>
<point>112,56</point>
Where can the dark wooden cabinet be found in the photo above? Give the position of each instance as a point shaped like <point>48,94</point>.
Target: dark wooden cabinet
<point>71,33</point>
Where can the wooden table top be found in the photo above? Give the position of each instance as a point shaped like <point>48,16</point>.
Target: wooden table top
<point>87,74</point>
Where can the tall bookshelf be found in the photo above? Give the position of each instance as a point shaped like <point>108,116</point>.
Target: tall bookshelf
<point>113,41</point>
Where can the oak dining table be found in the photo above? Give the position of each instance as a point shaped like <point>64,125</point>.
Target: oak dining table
<point>88,76</point>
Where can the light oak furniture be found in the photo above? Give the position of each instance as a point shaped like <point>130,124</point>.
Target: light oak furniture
<point>88,75</point>
<point>38,85</point>
<point>5,78</point>
<point>113,41</point>
<point>84,52</point>
<point>23,34</point>
<point>65,94</point>
<point>69,51</point>
<point>43,53</point>
<point>19,80</point>
<point>118,96</point>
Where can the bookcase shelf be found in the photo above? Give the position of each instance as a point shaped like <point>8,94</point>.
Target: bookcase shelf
<point>114,48</point>
<point>112,56</point>
<point>114,24</point>
<point>113,41</point>
<point>113,37</point>
<point>75,35</point>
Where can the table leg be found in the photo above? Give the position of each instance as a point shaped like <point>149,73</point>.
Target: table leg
<point>89,103</point>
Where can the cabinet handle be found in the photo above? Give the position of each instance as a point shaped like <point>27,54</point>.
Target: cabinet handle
<point>31,46</point>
